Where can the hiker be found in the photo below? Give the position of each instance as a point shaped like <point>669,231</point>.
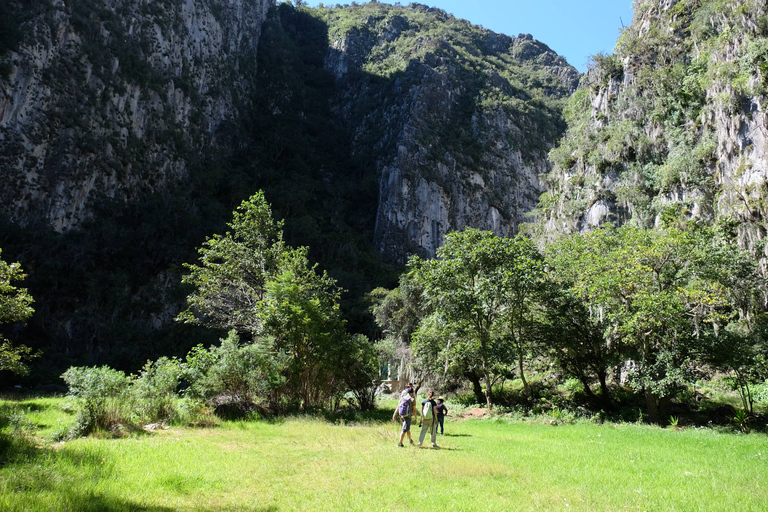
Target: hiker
<point>406,411</point>
<point>428,420</point>
<point>442,412</point>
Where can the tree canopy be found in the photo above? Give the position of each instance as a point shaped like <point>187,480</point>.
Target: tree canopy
<point>250,280</point>
<point>15,306</point>
<point>481,285</point>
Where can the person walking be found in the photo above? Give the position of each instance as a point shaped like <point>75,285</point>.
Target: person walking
<point>442,412</point>
<point>406,410</point>
<point>428,420</point>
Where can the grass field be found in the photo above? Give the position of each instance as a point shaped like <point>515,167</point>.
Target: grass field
<point>314,464</point>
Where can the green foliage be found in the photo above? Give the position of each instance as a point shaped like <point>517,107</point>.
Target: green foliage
<point>302,313</point>
<point>15,306</point>
<point>362,376</point>
<point>398,312</point>
<point>481,288</point>
<point>15,303</point>
<point>661,296</point>
<point>234,269</point>
<point>153,391</point>
<point>101,395</point>
<point>235,376</point>
<point>642,130</point>
<point>250,280</point>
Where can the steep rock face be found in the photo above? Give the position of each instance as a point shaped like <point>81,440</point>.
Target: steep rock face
<point>459,118</point>
<point>673,124</point>
<point>114,98</point>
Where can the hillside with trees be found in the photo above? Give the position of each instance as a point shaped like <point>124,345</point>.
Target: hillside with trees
<point>373,130</point>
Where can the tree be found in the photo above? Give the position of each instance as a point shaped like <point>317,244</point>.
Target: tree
<point>251,281</point>
<point>442,352</point>
<point>301,311</point>
<point>524,280</point>
<point>230,281</point>
<point>574,340</point>
<point>398,313</point>
<point>482,285</point>
<point>657,292</point>
<point>15,306</point>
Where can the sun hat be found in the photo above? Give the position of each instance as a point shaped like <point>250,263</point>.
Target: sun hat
<point>441,398</point>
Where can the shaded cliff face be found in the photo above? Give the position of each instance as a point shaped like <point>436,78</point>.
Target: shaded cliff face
<point>114,98</point>
<point>673,124</point>
<point>458,119</point>
<point>133,131</point>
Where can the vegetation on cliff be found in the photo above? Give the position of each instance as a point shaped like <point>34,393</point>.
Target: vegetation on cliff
<point>668,124</point>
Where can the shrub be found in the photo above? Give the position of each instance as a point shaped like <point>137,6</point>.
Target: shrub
<point>234,377</point>
<point>760,392</point>
<point>154,390</point>
<point>100,394</point>
<point>362,375</point>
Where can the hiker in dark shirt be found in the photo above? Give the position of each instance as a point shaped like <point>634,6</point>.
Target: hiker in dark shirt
<point>441,411</point>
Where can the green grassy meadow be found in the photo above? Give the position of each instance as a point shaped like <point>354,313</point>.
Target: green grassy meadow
<point>305,463</point>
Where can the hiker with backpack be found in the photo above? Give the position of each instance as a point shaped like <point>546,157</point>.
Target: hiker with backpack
<point>428,420</point>
<point>406,410</point>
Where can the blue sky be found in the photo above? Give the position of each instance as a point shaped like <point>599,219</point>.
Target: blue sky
<point>574,29</point>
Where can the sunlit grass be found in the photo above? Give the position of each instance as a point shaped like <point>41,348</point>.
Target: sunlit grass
<point>313,464</point>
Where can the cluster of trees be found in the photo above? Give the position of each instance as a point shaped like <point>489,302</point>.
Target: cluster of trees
<point>653,309</point>
<point>249,280</point>
<point>659,307</point>
<point>287,347</point>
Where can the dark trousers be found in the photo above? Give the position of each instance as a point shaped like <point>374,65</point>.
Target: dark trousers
<point>440,419</point>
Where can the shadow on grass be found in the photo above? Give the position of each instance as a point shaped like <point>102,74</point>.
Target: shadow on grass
<point>15,407</point>
<point>45,479</point>
<point>456,435</point>
<point>376,415</point>
<point>34,478</point>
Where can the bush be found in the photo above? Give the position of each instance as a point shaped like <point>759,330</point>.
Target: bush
<point>101,396</point>
<point>760,393</point>
<point>362,376</point>
<point>234,377</point>
<point>154,390</point>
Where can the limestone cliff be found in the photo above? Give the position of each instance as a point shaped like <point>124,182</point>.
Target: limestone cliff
<point>114,98</point>
<point>674,123</point>
<point>133,128</point>
<point>460,119</point>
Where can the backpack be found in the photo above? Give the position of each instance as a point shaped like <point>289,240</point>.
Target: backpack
<point>426,411</point>
<point>404,409</point>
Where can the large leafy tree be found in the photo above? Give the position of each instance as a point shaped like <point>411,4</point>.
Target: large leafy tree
<point>15,306</point>
<point>301,312</point>
<point>482,285</point>
<point>656,292</point>
<point>249,280</point>
<point>230,281</point>
<point>573,339</point>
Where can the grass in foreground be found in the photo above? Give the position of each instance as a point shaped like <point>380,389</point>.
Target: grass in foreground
<point>311,464</point>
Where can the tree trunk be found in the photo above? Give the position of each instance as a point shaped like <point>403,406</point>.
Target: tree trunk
<point>477,388</point>
<point>488,390</point>
<point>585,382</point>
<point>522,373</point>
<point>606,398</point>
<point>655,405</point>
